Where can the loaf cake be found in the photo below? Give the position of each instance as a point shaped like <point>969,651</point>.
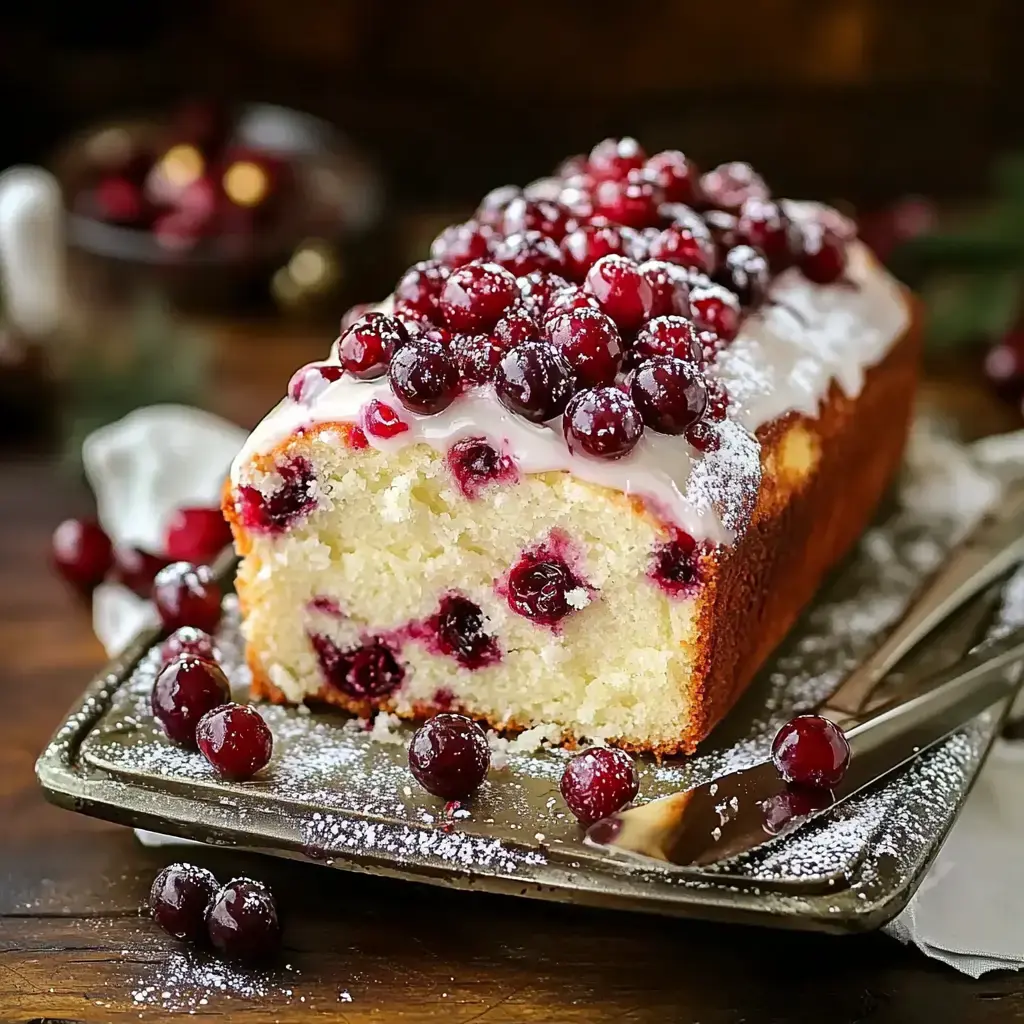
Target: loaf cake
<point>585,466</point>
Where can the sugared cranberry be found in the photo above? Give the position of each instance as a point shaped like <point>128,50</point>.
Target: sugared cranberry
<point>675,175</point>
<point>460,629</point>
<point>354,313</point>
<point>183,692</point>
<point>380,420</point>
<point>82,552</point>
<point>717,309</point>
<point>543,589</point>
<point>242,921</point>
<point>420,288</point>
<point>811,751</point>
<point>669,287</point>
<point>476,295</point>
<point>462,243</point>
<point>365,348</point>
<point>669,393</point>
<point>515,327</point>
<point>535,380</point>
<point>292,500</point>
<point>197,535</point>
<point>477,356</point>
<point>136,569</point>
<point>723,228</point>
<point>545,216</point>
<point>187,641</point>
<point>309,381</point>
<point>599,782</point>
<point>424,330</point>
<point>729,185</point>
<point>667,336</point>
<point>718,400</point>
<point>366,672</point>
<point>788,808</point>
<point>703,436</point>
<point>528,252</point>
<point>449,756</point>
<point>602,422</point>
<point>630,201</point>
<point>621,291</point>
<point>235,740</point>
<point>822,256</point>
<point>424,377</point>
<point>186,595</point>
<point>586,245</point>
<point>615,158</point>
<point>763,224</point>
<point>491,210</point>
<point>475,464</point>
<point>590,342</point>
<point>567,299</point>
<point>744,272</point>
<point>178,899</point>
<point>543,188</point>
<point>675,567</point>
<point>537,289</point>
<point>685,247</point>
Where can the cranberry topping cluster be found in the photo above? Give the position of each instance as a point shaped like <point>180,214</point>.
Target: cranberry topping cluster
<point>600,294</point>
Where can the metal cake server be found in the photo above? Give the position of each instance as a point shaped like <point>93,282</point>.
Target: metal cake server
<point>746,809</point>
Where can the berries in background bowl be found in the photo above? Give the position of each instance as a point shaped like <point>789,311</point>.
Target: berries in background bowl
<point>184,691</point>
<point>669,393</point>
<point>621,291</point>
<point>187,641</point>
<point>187,595</point>
<point>196,535</point>
<point>535,380</point>
<point>590,342</point>
<point>424,376</point>
<point>178,900</point>
<point>602,422</point>
<point>476,295</point>
<point>242,921</point>
<point>811,751</point>
<point>365,348</point>
<point>599,782</point>
<point>235,740</point>
<point>82,553</point>
<point>449,756</point>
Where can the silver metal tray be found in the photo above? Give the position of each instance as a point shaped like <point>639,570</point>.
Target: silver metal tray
<point>339,792</point>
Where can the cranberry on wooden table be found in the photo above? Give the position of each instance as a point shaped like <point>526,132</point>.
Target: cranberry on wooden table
<point>242,921</point>
<point>178,900</point>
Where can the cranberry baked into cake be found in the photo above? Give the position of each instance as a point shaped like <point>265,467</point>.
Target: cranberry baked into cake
<point>586,465</point>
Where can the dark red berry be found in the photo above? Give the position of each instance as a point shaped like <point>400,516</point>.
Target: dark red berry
<point>621,291</point>
<point>309,381</point>
<point>546,216</point>
<point>462,243</point>
<point>82,552</point>
<point>822,256</point>
<point>178,899</point>
<point>599,782</point>
<point>718,400</point>
<point>630,201</point>
<point>728,186</point>
<point>667,336</point>
<point>449,756</point>
<point>491,210</point>
<point>586,245</point>
<point>187,595</point>
<point>535,380</point>
<point>567,299</point>
<point>366,672</point>
<point>575,164</point>
<point>744,272</point>
<point>615,158</point>
<point>477,356</point>
<point>294,499</point>
<point>669,286</point>
<point>187,641</point>
<point>602,422</point>
<point>763,224</point>
<point>515,327</point>
<point>716,309</point>
<point>365,348</point>
<point>420,288</point>
<point>676,176</point>
<point>475,464</point>
<point>197,535</point>
<point>590,342</point>
<point>669,393</point>
<point>459,628</point>
<point>675,567</point>
<point>543,589</point>
<point>136,569</point>
<point>242,921</point>
<point>183,692</point>
<point>811,751</point>
<point>538,288</point>
<point>235,740</point>
<point>684,247</point>
<point>476,295</point>
<point>424,377</point>
<point>380,420</point>
<point>723,228</point>
<point>528,252</point>
<point>703,436</point>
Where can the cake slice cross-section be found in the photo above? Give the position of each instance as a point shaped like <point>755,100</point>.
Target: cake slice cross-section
<point>586,465</point>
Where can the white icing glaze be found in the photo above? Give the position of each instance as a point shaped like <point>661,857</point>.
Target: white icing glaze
<point>783,360</point>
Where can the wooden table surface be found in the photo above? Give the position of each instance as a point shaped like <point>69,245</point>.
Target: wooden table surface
<point>75,944</point>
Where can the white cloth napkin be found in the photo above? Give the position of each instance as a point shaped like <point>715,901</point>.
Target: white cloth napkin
<point>969,912</point>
